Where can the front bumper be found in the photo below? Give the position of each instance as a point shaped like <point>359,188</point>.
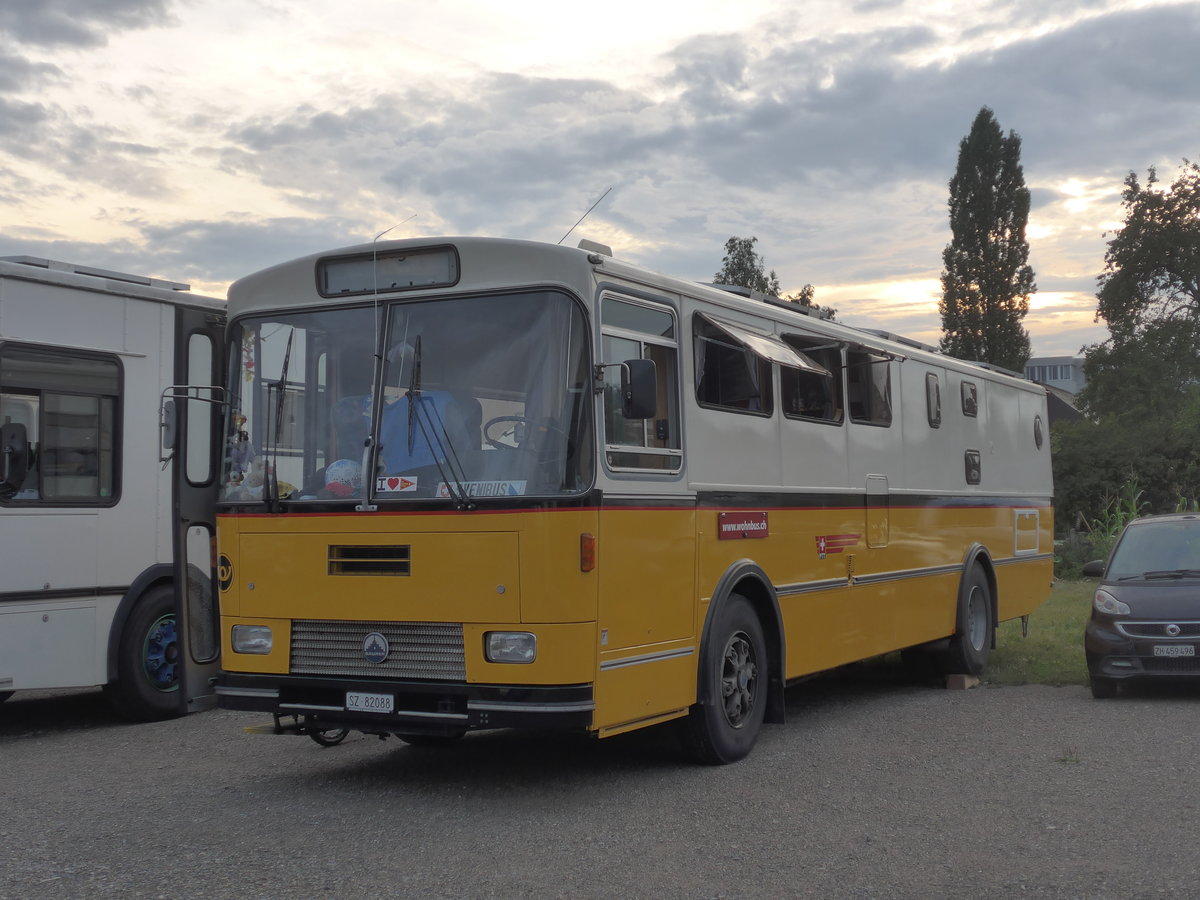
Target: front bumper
<point>1112,652</point>
<point>420,707</point>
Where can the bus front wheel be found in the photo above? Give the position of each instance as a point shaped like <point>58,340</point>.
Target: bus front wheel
<point>147,685</point>
<point>722,727</point>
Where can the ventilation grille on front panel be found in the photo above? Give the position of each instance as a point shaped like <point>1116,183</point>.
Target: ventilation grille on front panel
<point>370,560</point>
<point>428,650</point>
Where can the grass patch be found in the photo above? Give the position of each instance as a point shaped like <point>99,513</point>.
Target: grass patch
<point>1053,652</point>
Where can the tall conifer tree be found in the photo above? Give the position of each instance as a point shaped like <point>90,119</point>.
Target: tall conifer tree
<point>987,279</point>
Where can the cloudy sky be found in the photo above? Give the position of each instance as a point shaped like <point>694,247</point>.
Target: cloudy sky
<point>199,140</point>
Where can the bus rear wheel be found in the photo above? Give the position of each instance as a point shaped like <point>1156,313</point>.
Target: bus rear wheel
<point>971,645</point>
<point>724,725</point>
<point>147,685</point>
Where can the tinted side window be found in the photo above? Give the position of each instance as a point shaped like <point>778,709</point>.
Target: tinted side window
<point>728,374</point>
<point>869,388</point>
<point>68,403</point>
<point>811,395</point>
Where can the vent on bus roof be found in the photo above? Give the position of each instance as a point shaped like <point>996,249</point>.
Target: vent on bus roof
<point>370,560</point>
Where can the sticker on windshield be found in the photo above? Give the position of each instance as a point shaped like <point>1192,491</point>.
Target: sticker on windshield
<point>395,484</point>
<point>486,489</point>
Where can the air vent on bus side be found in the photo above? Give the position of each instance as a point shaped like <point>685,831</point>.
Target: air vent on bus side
<point>370,560</point>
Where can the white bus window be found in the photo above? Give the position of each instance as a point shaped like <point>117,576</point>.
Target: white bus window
<point>933,399</point>
<point>806,394</point>
<point>68,404</point>
<point>729,375</point>
<point>639,331</point>
<point>970,399</point>
<point>869,388</point>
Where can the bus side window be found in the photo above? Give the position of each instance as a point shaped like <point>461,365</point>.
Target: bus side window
<point>809,395</point>
<point>68,405</point>
<point>640,331</point>
<point>729,375</point>
<point>869,388</point>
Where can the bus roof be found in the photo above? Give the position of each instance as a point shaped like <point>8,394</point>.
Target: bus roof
<point>493,264</point>
<point>88,278</point>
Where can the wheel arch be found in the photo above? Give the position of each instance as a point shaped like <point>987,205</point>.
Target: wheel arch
<point>745,577</point>
<point>156,575</point>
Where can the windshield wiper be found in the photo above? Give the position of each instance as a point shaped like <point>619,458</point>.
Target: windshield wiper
<point>270,473</point>
<point>1172,573</point>
<point>425,416</point>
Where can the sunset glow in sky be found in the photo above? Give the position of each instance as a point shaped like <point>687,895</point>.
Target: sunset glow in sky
<point>199,140</point>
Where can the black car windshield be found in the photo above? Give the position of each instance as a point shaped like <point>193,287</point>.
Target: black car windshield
<point>477,397</point>
<point>1169,548</point>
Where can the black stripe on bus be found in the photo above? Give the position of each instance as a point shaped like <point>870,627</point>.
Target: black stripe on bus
<point>62,594</point>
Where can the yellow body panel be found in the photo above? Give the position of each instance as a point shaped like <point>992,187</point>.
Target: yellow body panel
<point>632,627</point>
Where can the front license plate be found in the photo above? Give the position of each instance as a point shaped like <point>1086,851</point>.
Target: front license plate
<point>375,703</point>
<point>1174,650</point>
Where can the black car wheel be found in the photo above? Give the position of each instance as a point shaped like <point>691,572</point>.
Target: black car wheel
<point>1103,688</point>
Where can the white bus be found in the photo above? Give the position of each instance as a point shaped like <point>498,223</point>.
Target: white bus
<point>96,532</point>
<point>478,483</point>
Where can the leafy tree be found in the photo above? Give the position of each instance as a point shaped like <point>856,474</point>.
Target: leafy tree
<point>1152,265</point>
<point>987,279</point>
<point>743,267</point>
<point>1143,394</point>
<point>807,296</point>
<point>803,297</point>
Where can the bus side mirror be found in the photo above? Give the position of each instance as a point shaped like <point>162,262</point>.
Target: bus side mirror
<point>14,457</point>
<point>639,389</point>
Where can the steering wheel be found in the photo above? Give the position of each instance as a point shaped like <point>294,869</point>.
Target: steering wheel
<point>499,420</point>
<point>525,445</point>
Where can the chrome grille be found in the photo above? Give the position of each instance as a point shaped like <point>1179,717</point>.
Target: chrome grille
<point>428,650</point>
<point>1158,629</point>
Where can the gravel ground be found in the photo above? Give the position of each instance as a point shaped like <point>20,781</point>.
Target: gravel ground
<point>874,788</point>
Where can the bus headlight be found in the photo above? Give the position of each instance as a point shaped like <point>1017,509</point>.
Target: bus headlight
<point>252,639</point>
<point>510,647</point>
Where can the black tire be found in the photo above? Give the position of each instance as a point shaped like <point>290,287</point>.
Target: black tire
<point>431,740</point>
<point>1102,688</point>
<point>329,737</point>
<point>971,644</point>
<point>147,685</point>
<point>4,695</point>
<point>723,726</point>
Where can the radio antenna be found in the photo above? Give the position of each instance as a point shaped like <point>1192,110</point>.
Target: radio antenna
<point>585,215</point>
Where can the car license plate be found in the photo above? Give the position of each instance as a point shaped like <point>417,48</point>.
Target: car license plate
<point>1174,650</point>
<point>374,703</point>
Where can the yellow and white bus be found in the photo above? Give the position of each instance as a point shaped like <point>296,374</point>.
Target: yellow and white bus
<point>477,483</point>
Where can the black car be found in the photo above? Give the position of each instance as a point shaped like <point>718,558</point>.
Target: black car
<point>1145,619</point>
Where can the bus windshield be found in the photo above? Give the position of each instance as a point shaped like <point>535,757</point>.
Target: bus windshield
<point>471,398</point>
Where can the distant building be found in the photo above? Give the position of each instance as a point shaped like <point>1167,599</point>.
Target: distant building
<point>1062,372</point>
<point>1063,379</point>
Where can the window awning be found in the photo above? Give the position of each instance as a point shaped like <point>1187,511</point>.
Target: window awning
<point>768,346</point>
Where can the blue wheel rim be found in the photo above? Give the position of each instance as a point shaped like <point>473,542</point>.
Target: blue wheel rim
<point>160,655</point>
